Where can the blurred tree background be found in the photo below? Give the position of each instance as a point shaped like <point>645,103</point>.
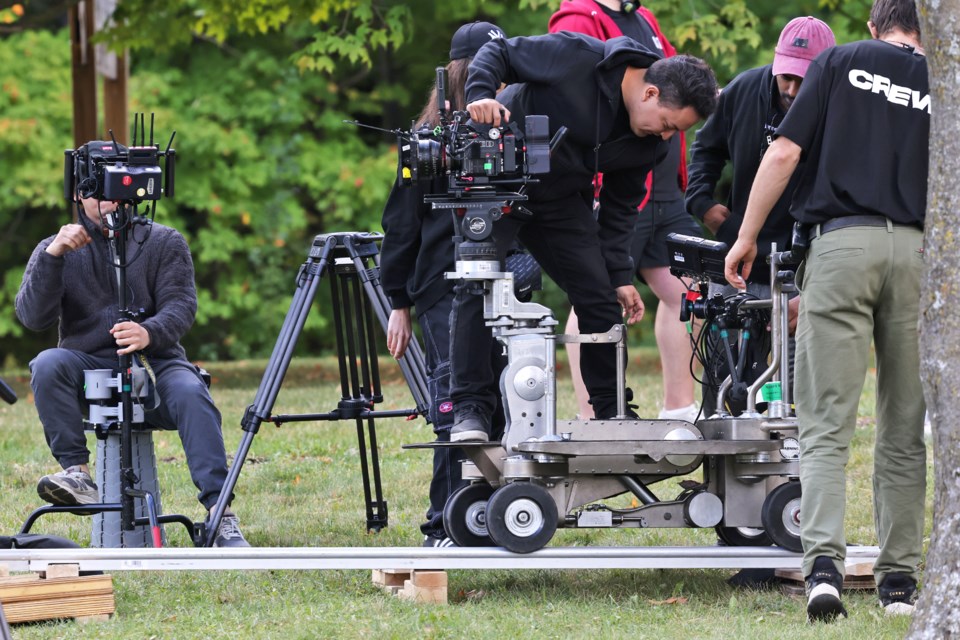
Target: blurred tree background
<point>257,91</point>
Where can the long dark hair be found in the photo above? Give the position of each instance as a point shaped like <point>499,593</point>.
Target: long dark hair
<point>456,94</point>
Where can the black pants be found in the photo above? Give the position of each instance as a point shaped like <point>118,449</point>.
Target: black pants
<point>563,236</point>
<point>435,326</point>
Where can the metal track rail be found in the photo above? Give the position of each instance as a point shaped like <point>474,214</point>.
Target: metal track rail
<point>299,558</point>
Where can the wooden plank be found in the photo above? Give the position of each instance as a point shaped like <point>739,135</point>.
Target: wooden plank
<point>423,595</point>
<point>17,591</point>
<point>53,609</point>
<point>435,579</point>
<point>385,578</point>
<point>62,571</point>
<point>28,598</point>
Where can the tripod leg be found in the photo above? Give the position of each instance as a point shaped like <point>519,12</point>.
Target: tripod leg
<point>413,363</point>
<point>307,282</point>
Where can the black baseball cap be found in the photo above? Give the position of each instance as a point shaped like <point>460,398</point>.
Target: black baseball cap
<point>470,37</point>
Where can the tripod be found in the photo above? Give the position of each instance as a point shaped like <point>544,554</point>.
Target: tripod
<point>352,263</point>
<point>118,227</point>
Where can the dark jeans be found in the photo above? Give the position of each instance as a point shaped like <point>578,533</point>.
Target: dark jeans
<point>563,237</point>
<point>185,405</point>
<point>435,326</point>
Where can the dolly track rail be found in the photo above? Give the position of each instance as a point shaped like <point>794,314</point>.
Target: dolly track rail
<point>301,558</point>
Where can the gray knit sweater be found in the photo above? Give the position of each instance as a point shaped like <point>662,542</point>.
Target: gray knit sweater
<point>80,290</point>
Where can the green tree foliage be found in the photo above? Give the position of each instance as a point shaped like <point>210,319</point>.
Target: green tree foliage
<point>257,92</point>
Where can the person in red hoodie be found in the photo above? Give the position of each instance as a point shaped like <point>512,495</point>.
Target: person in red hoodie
<point>661,213</point>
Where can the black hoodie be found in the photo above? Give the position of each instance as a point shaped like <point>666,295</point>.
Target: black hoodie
<point>575,80</point>
<point>736,133</point>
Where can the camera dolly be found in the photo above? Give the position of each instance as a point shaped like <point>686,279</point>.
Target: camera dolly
<point>547,474</point>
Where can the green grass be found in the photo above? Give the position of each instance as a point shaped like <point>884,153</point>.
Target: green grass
<point>301,487</point>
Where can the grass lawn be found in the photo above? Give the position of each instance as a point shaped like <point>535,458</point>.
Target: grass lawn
<point>301,487</point>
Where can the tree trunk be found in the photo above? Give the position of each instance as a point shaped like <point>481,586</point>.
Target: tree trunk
<point>938,611</point>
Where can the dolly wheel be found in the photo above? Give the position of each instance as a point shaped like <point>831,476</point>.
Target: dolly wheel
<point>781,516</point>
<point>521,517</point>
<point>743,536</point>
<point>464,516</point>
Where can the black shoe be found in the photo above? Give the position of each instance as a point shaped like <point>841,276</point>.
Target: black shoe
<point>823,592</point>
<point>898,594</point>
<point>435,541</point>
<point>610,412</point>
<point>68,488</point>
<point>470,424</point>
<point>228,534</point>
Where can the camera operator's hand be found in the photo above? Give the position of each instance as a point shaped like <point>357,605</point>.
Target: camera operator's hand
<point>744,251</point>
<point>629,299</point>
<point>399,331</point>
<point>714,217</point>
<point>487,111</point>
<point>131,336</point>
<point>70,238</point>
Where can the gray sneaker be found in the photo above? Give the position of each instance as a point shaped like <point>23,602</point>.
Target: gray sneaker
<point>470,424</point>
<point>228,535</point>
<point>68,488</point>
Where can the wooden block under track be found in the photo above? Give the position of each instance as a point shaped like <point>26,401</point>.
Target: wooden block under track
<point>390,579</point>
<point>29,599</point>
<point>423,595</point>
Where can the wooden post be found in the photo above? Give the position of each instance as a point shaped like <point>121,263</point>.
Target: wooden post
<point>115,112</point>
<point>115,71</point>
<point>84,73</point>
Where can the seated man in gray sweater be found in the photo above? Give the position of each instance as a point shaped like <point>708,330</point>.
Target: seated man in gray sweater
<point>70,278</point>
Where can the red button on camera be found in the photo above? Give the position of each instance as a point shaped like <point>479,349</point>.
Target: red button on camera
<point>127,181</point>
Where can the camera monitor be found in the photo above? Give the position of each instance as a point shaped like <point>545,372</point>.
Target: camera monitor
<point>696,258</point>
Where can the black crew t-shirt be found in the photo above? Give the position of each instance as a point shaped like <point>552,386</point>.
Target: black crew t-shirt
<point>862,119</point>
<point>666,181</point>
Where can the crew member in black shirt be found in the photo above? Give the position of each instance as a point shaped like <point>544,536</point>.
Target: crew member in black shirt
<point>861,121</point>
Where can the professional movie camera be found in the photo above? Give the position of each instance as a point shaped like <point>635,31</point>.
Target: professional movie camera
<point>108,170</point>
<point>481,162</point>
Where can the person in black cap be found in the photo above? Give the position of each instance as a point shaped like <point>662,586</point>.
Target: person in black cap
<point>417,249</point>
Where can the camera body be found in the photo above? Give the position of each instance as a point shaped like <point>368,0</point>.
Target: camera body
<point>108,170</point>
<point>482,163</point>
<point>476,158</point>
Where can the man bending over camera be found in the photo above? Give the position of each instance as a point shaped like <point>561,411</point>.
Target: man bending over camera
<point>617,100</point>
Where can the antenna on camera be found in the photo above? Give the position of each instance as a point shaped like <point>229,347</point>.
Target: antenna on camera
<point>114,139</point>
<point>151,128</point>
<point>442,93</point>
<point>170,144</point>
<point>143,129</point>
<point>134,138</point>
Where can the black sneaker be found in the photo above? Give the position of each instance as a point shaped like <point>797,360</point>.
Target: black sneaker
<point>898,594</point>
<point>823,592</point>
<point>470,424</point>
<point>68,488</point>
<point>228,535</point>
<point>434,541</point>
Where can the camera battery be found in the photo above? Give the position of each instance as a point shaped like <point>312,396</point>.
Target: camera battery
<point>126,182</point>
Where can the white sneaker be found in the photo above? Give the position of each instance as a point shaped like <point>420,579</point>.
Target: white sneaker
<point>689,413</point>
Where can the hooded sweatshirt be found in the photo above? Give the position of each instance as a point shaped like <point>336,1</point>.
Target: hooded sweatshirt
<point>584,16</point>
<point>575,81</point>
